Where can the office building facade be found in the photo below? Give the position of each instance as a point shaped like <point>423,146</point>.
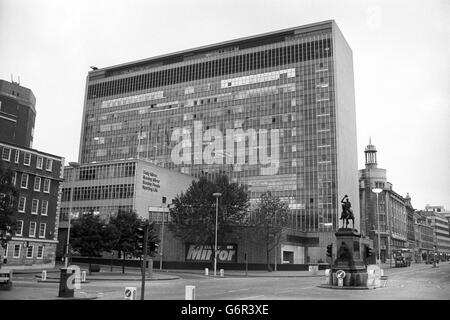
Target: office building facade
<point>274,111</point>
<point>37,176</point>
<point>424,238</point>
<point>435,216</point>
<point>108,187</point>
<point>17,114</point>
<point>389,216</point>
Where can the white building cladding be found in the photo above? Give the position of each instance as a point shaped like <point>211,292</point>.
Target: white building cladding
<point>298,81</point>
<point>104,188</point>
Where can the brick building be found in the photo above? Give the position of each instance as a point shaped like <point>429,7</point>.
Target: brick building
<point>38,176</point>
<point>17,114</point>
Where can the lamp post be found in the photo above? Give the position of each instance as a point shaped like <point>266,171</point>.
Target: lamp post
<point>377,191</point>
<point>162,232</point>
<point>74,165</point>
<point>217,195</point>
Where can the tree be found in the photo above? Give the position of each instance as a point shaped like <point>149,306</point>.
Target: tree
<point>194,213</point>
<point>87,236</point>
<point>126,224</point>
<point>8,207</point>
<point>270,216</point>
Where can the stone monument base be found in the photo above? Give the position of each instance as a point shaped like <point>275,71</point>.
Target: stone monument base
<point>349,260</point>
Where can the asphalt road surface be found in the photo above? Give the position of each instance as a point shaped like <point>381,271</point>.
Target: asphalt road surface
<point>421,282</point>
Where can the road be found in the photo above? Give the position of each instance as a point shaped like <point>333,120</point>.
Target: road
<point>417,282</point>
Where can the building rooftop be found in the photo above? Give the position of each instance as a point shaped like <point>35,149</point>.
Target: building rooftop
<point>14,90</point>
<point>231,45</point>
<point>12,145</point>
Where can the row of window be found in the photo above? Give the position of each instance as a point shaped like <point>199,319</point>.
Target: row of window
<point>241,63</point>
<point>37,182</point>
<point>29,251</point>
<point>34,206</point>
<point>119,191</point>
<point>7,152</point>
<point>108,171</point>
<point>32,229</point>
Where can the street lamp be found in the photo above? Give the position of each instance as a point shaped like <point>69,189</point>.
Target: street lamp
<point>217,195</point>
<point>162,233</point>
<point>74,165</point>
<point>377,191</point>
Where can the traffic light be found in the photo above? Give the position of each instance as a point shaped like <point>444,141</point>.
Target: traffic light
<point>141,234</point>
<point>330,250</point>
<point>152,246</point>
<point>369,252</point>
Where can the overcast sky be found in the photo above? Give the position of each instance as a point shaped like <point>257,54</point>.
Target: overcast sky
<point>401,53</point>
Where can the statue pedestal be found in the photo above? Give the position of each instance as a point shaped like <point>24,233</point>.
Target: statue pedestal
<point>349,259</point>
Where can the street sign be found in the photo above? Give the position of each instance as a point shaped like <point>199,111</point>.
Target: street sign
<point>130,293</point>
<point>340,274</point>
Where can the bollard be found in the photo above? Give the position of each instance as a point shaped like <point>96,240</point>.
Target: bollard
<point>370,277</point>
<point>327,276</point>
<point>340,282</point>
<point>206,271</point>
<point>44,275</point>
<point>150,268</point>
<point>190,293</point>
<point>83,276</point>
<point>222,272</point>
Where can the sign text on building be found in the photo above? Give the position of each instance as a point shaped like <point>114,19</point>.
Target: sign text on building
<point>204,253</point>
<point>150,181</point>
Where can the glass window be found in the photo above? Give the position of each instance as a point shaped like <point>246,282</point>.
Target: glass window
<point>30,251</point>
<point>48,165</point>
<point>34,206</point>
<point>37,184</point>
<point>46,185</point>
<point>24,181</point>
<point>32,231</point>
<point>44,207</point>
<point>40,252</point>
<point>27,159</point>
<point>17,250</point>
<point>42,227</point>
<point>22,203</point>
<point>39,162</point>
<point>14,178</point>
<point>6,154</point>
<point>19,227</point>
<point>16,158</point>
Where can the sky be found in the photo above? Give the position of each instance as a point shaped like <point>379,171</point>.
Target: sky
<point>401,57</point>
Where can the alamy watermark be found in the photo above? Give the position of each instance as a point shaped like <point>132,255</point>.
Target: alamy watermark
<point>220,148</point>
<point>74,280</point>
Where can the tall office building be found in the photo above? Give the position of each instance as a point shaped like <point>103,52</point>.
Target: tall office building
<point>17,114</point>
<point>274,111</point>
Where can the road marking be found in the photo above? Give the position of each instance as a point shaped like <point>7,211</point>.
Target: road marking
<point>296,289</point>
<point>239,290</point>
<point>253,297</point>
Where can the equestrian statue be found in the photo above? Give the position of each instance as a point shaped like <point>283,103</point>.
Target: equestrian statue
<point>347,212</point>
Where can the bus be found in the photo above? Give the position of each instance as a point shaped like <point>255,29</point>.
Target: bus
<point>402,257</point>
